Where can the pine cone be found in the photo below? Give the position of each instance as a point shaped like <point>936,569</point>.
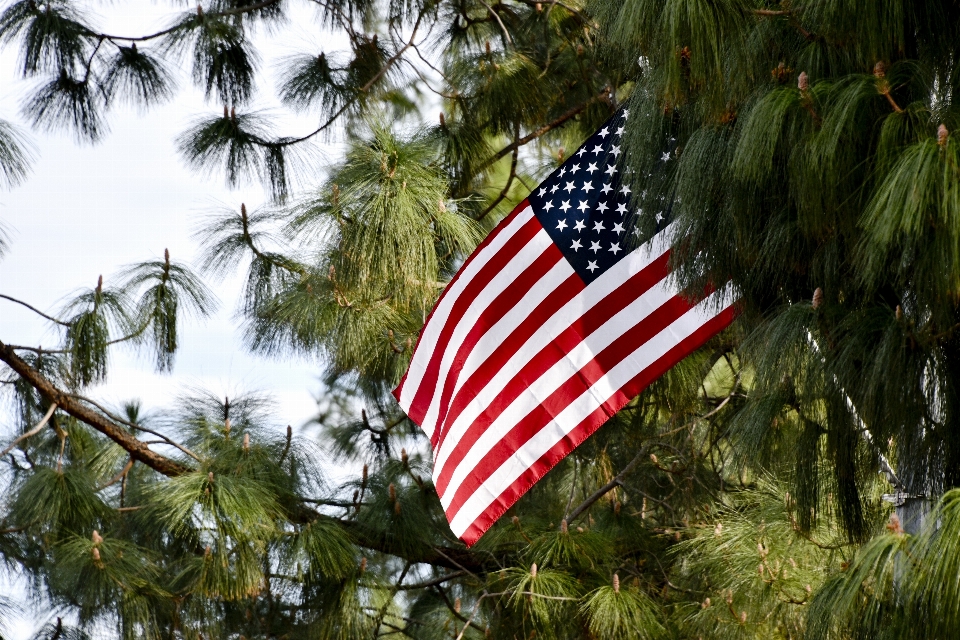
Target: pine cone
<point>817,298</point>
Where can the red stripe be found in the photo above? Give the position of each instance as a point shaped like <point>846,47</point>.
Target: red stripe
<point>551,406</point>
<point>497,230</point>
<point>499,307</point>
<point>548,356</point>
<point>509,345</point>
<point>593,422</point>
<point>496,263</point>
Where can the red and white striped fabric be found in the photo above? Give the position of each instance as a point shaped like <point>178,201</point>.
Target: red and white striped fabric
<point>524,356</point>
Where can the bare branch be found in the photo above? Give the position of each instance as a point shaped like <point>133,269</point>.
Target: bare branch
<point>32,432</point>
<point>35,310</point>
<point>610,486</point>
<point>120,476</point>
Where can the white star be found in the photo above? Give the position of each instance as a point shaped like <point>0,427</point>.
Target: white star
<point>618,228</point>
<point>592,167</point>
<point>543,190</point>
<point>598,226</point>
<point>562,225</point>
<point>665,156</point>
<point>569,187</point>
<point>625,190</point>
<point>615,150</point>
<point>594,246</point>
<point>563,170</point>
<point>597,149</point>
<point>582,151</point>
<point>576,245</point>
<point>606,189</point>
<point>602,207</point>
<point>565,206</point>
<point>592,266</point>
<point>611,169</point>
<point>547,206</point>
<point>575,168</point>
<point>583,206</point>
<point>554,188</point>
<point>636,231</point>
<point>604,132</point>
<point>619,131</point>
<point>588,187</point>
<point>622,207</point>
<point>579,226</point>
<point>659,217</point>
<point>626,113</point>
<point>615,247</point>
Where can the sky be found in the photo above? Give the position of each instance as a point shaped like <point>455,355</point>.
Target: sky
<point>87,210</point>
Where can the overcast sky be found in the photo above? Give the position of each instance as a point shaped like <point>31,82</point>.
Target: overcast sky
<point>88,210</point>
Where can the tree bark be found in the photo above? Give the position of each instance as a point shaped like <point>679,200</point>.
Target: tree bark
<point>137,449</point>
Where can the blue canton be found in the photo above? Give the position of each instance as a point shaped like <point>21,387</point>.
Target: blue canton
<point>588,205</point>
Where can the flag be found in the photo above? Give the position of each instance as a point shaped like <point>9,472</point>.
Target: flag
<point>558,319</point>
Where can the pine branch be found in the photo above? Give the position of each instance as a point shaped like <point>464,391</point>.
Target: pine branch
<point>137,449</point>
<point>509,182</point>
<point>368,538</point>
<point>583,18</point>
<point>133,425</point>
<point>362,90</point>
<point>431,583</point>
<point>169,30</point>
<point>610,486</point>
<point>603,95</point>
<point>506,34</point>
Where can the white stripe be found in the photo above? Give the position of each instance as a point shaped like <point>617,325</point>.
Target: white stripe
<point>551,379</point>
<point>587,403</point>
<point>494,336</point>
<point>431,332</point>
<point>572,311</point>
<point>519,263</point>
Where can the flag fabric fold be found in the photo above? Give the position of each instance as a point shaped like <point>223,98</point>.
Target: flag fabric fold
<point>559,318</point>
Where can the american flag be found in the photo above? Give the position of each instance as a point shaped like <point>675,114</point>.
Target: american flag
<point>559,318</point>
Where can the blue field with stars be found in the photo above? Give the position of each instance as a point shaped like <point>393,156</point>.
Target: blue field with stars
<point>586,204</point>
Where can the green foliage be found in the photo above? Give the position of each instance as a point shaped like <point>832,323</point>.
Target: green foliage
<point>138,77</point>
<point>93,314</point>
<point>618,613</point>
<point>15,159</point>
<point>168,290</point>
<point>813,161</point>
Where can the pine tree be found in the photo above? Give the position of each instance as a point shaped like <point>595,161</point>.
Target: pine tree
<point>816,168</point>
<point>736,497</point>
